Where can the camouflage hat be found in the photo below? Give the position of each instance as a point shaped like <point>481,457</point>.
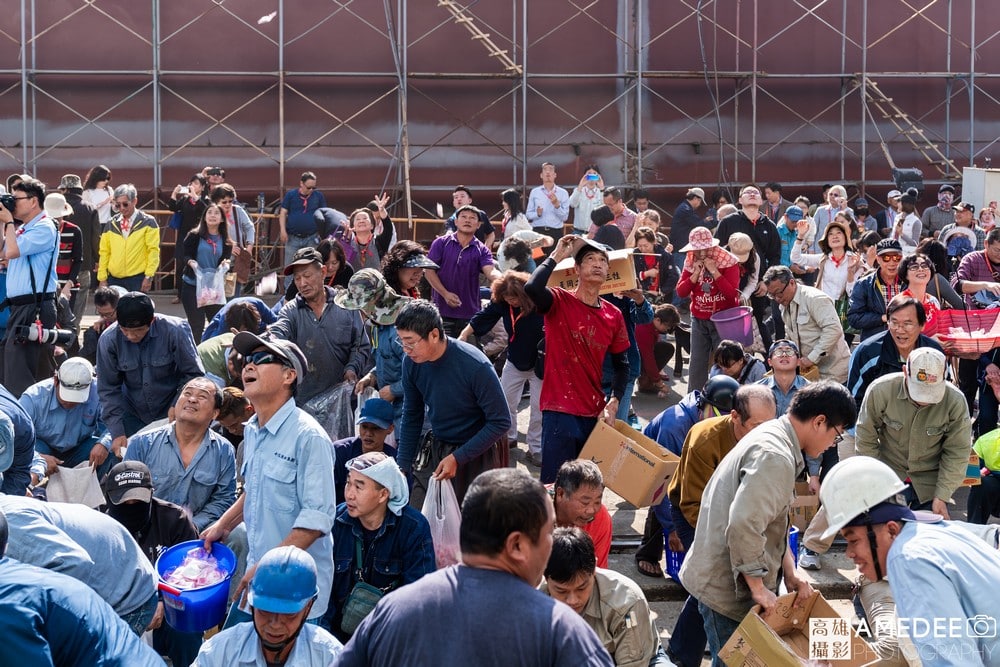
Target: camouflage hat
<point>368,292</point>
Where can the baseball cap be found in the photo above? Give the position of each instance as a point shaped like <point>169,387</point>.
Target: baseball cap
<point>302,257</point>
<point>860,202</point>
<point>129,480</point>
<point>965,206</point>
<point>419,261</point>
<point>586,245</point>
<point>75,376</point>
<point>894,194</point>
<point>888,246</point>
<point>697,192</point>
<point>794,213</point>
<point>135,309</point>
<point>924,371</point>
<point>245,343</point>
<point>947,187</point>
<point>376,411</point>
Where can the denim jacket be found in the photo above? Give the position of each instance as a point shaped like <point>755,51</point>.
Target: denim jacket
<point>401,553</point>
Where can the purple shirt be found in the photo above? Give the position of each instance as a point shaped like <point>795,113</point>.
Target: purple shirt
<point>976,267</point>
<point>459,273</point>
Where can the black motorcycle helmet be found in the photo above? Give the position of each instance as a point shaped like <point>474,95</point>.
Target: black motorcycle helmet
<point>719,392</point>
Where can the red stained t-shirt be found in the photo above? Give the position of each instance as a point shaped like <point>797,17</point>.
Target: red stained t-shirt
<point>577,338</point>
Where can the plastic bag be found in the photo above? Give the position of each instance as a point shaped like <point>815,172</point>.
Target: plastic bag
<point>210,287</point>
<point>198,569</point>
<point>332,409</point>
<point>445,517</point>
<point>76,485</point>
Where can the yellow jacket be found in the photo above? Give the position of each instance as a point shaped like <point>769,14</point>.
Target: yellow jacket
<point>123,257</point>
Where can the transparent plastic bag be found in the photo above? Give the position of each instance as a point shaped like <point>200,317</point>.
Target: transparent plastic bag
<point>445,517</point>
<point>332,409</point>
<point>210,287</point>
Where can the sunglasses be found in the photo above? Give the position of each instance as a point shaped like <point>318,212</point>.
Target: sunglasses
<point>920,265</point>
<point>264,357</point>
<point>890,258</point>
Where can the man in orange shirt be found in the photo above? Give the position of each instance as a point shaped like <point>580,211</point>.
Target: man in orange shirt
<point>577,494</point>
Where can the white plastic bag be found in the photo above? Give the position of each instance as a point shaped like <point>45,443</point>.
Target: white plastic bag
<point>445,517</point>
<point>75,485</point>
<point>210,287</point>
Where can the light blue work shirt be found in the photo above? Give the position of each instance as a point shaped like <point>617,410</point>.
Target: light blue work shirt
<point>62,429</point>
<point>239,646</point>
<point>288,473</point>
<point>206,488</point>
<point>83,543</point>
<point>781,399</point>
<point>944,576</point>
<point>49,618</point>
<point>36,241</point>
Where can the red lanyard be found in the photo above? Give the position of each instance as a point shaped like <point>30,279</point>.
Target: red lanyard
<point>513,321</point>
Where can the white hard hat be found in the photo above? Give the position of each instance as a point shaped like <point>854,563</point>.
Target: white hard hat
<point>854,486</point>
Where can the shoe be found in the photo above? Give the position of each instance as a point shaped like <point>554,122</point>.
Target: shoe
<point>176,299</point>
<point>534,459</point>
<point>809,560</point>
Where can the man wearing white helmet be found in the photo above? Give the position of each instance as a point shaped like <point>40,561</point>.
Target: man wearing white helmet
<point>942,577</point>
<point>281,594</point>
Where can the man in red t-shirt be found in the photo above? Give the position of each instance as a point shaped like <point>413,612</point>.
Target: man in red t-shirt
<point>577,494</point>
<point>580,329</point>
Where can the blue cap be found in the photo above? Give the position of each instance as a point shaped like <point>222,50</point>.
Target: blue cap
<point>376,411</point>
<point>794,213</point>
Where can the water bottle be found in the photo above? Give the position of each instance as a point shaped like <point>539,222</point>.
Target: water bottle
<point>260,202</point>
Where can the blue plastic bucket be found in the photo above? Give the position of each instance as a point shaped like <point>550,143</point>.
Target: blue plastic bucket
<point>793,543</point>
<point>195,609</point>
<point>735,324</point>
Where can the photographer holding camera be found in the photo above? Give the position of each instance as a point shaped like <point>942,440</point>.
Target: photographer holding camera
<point>29,254</point>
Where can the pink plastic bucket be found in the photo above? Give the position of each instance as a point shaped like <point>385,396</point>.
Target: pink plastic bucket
<point>735,324</point>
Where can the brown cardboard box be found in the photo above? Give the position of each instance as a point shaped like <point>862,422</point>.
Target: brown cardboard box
<point>634,466</point>
<point>785,638</point>
<point>804,506</point>
<point>621,273</point>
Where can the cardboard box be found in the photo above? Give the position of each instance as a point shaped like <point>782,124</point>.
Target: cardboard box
<point>804,506</point>
<point>634,466</point>
<point>787,636</point>
<point>621,273</point>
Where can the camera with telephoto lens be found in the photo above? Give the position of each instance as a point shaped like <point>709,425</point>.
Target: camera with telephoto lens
<point>26,332</point>
<point>8,201</point>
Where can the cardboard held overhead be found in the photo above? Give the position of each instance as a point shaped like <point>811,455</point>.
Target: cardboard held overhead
<point>634,466</point>
<point>621,273</point>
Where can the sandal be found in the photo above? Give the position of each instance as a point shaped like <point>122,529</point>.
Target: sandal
<point>658,574</point>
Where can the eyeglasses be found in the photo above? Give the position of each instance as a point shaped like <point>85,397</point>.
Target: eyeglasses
<point>225,201</point>
<point>840,436</point>
<point>774,295</point>
<point>407,347</point>
<point>19,198</point>
<point>919,265</point>
<point>890,258</point>
<point>751,193</point>
<point>310,187</point>
<point>263,357</point>
<point>906,326</point>
<point>123,203</point>
<point>784,352</point>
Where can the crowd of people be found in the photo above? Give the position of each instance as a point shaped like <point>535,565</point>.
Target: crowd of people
<point>306,435</point>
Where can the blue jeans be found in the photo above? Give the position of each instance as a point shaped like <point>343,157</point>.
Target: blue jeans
<point>139,619</point>
<point>563,436</point>
<point>718,628</point>
<point>687,640</point>
<point>77,455</point>
<point>131,283</point>
<point>294,244</point>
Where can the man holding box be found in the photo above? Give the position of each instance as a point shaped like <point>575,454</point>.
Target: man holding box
<point>741,539</point>
<point>580,329</point>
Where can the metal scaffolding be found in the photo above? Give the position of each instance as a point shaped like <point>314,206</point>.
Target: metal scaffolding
<point>414,97</point>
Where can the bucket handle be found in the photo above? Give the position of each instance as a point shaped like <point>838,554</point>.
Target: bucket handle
<point>167,588</point>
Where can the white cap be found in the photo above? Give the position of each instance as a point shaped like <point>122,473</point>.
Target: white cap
<point>924,371</point>
<point>75,376</point>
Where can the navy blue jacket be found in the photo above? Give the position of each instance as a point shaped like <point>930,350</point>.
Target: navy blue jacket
<point>401,552</point>
<point>874,358</point>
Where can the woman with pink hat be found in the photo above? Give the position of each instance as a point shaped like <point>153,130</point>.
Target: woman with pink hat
<point>711,277</point>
